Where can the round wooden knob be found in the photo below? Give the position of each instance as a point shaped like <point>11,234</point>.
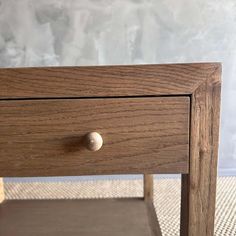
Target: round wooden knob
<point>93,141</point>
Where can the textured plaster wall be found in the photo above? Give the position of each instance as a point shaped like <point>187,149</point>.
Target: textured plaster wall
<point>91,32</point>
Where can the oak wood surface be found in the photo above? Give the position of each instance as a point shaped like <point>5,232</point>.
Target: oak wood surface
<point>154,149</point>
<point>198,208</point>
<point>103,81</point>
<point>1,190</point>
<point>141,135</point>
<point>102,217</point>
<point>148,187</point>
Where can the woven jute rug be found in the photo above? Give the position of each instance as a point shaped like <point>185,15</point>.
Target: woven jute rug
<point>166,198</point>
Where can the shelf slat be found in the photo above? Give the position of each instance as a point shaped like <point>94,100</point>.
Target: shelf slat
<point>100,217</point>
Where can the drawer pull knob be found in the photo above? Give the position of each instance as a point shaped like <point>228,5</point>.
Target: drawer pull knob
<point>93,141</point>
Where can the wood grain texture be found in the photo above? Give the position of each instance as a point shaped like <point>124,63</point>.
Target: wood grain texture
<point>103,81</point>
<point>148,187</point>
<point>141,135</point>
<point>78,217</point>
<point>1,191</point>
<point>200,183</point>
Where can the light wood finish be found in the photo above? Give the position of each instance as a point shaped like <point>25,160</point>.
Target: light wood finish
<point>1,191</point>
<point>93,141</point>
<point>199,185</point>
<point>103,81</point>
<point>146,134</point>
<point>78,217</point>
<point>148,187</point>
<point>141,135</point>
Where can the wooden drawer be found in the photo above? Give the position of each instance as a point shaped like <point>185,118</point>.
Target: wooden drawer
<point>141,135</point>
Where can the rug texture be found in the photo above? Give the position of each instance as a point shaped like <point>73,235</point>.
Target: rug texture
<point>166,198</point>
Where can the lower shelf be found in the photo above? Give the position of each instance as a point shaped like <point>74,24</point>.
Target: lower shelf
<point>101,217</point>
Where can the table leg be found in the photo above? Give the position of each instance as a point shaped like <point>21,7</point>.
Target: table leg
<point>199,185</point>
<point>148,187</point>
<point>1,190</point>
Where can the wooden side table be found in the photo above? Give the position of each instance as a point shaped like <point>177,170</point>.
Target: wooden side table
<point>144,119</point>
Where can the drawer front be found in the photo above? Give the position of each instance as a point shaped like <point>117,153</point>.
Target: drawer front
<point>140,135</point>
